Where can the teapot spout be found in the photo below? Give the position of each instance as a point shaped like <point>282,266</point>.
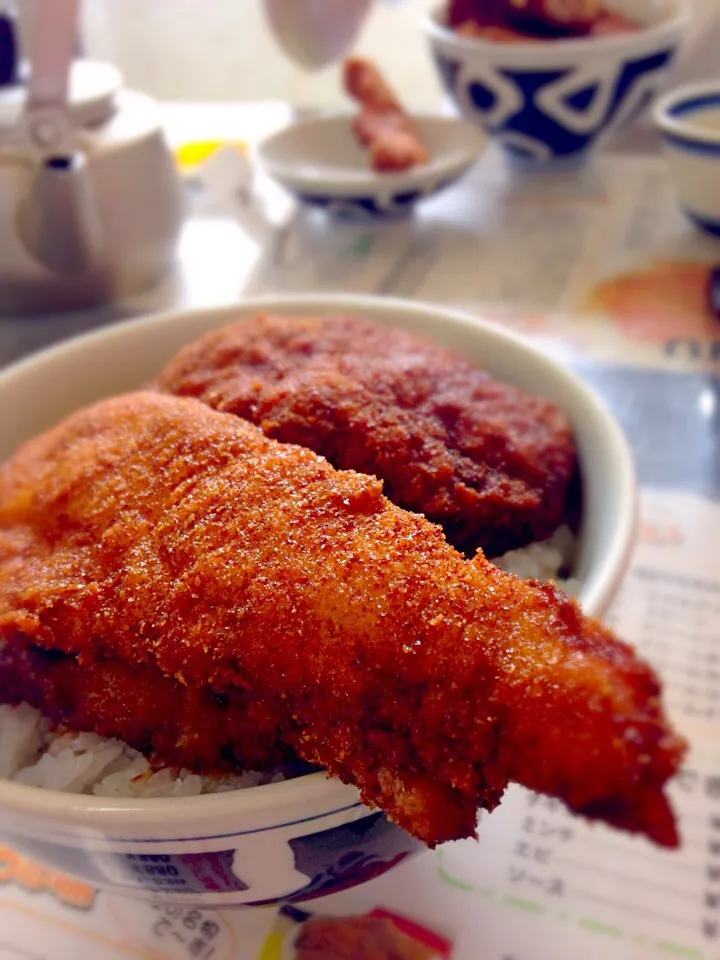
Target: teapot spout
<point>58,220</point>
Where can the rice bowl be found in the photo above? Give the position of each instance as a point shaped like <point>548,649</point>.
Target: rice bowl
<point>43,821</point>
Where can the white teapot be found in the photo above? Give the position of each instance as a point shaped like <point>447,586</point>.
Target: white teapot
<point>91,203</point>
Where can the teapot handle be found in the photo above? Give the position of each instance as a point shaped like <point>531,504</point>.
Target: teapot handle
<point>47,123</point>
<point>58,219</point>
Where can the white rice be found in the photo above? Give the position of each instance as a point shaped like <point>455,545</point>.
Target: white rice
<point>34,754</point>
<point>545,560</point>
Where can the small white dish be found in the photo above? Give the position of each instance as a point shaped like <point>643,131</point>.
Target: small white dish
<point>321,163</point>
<point>689,122</point>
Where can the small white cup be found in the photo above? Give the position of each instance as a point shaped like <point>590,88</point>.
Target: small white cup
<point>689,121</point>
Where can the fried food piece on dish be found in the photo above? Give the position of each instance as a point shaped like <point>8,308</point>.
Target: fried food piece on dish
<point>529,17</point>
<point>157,531</point>
<point>612,23</point>
<point>382,125</point>
<point>609,23</point>
<point>488,462</point>
<point>495,33</point>
<point>575,16</point>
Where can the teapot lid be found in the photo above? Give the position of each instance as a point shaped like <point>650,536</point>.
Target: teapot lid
<point>93,86</point>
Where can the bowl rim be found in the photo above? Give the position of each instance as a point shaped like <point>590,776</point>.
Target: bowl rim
<point>692,96</point>
<point>674,23</point>
<point>116,813</point>
<point>346,184</point>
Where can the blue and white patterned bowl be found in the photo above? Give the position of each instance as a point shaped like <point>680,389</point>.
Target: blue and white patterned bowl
<point>312,839</point>
<point>320,162</point>
<point>689,122</point>
<point>550,102</point>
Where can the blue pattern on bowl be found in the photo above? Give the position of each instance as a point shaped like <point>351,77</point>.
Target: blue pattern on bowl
<point>547,114</point>
<point>692,146</point>
<point>704,223</point>
<point>317,864</point>
<point>687,121</point>
<point>377,206</point>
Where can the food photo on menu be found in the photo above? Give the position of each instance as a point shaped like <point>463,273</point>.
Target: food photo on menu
<point>359,480</point>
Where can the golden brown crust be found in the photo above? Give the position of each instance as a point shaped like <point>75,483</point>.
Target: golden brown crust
<point>156,531</point>
<point>173,724</point>
<point>489,463</point>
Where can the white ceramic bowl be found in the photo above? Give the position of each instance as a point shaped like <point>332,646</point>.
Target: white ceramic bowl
<point>321,163</point>
<point>689,121</point>
<point>549,102</point>
<point>311,836</point>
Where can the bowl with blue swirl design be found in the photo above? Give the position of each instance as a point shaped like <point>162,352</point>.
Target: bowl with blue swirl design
<point>321,164</point>
<point>553,102</point>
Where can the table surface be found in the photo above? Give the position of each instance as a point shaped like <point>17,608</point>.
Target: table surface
<point>601,269</point>
<point>227,252</point>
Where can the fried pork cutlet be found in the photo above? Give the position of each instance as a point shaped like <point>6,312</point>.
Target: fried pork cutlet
<point>157,533</point>
<point>488,462</point>
<point>382,125</point>
<point>172,723</point>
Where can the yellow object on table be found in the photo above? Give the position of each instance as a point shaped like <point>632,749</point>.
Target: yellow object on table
<point>194,152</point>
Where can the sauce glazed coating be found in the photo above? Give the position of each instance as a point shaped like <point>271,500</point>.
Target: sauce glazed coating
<point>156,532</point>
<point>488,462</point>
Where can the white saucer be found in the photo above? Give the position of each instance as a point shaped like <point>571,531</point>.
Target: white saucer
<point>321,163</point>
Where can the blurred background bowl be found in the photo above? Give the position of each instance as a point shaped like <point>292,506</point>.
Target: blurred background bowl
<point>689,122</point>
<point>321,164</point>
<point>553,101</point>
